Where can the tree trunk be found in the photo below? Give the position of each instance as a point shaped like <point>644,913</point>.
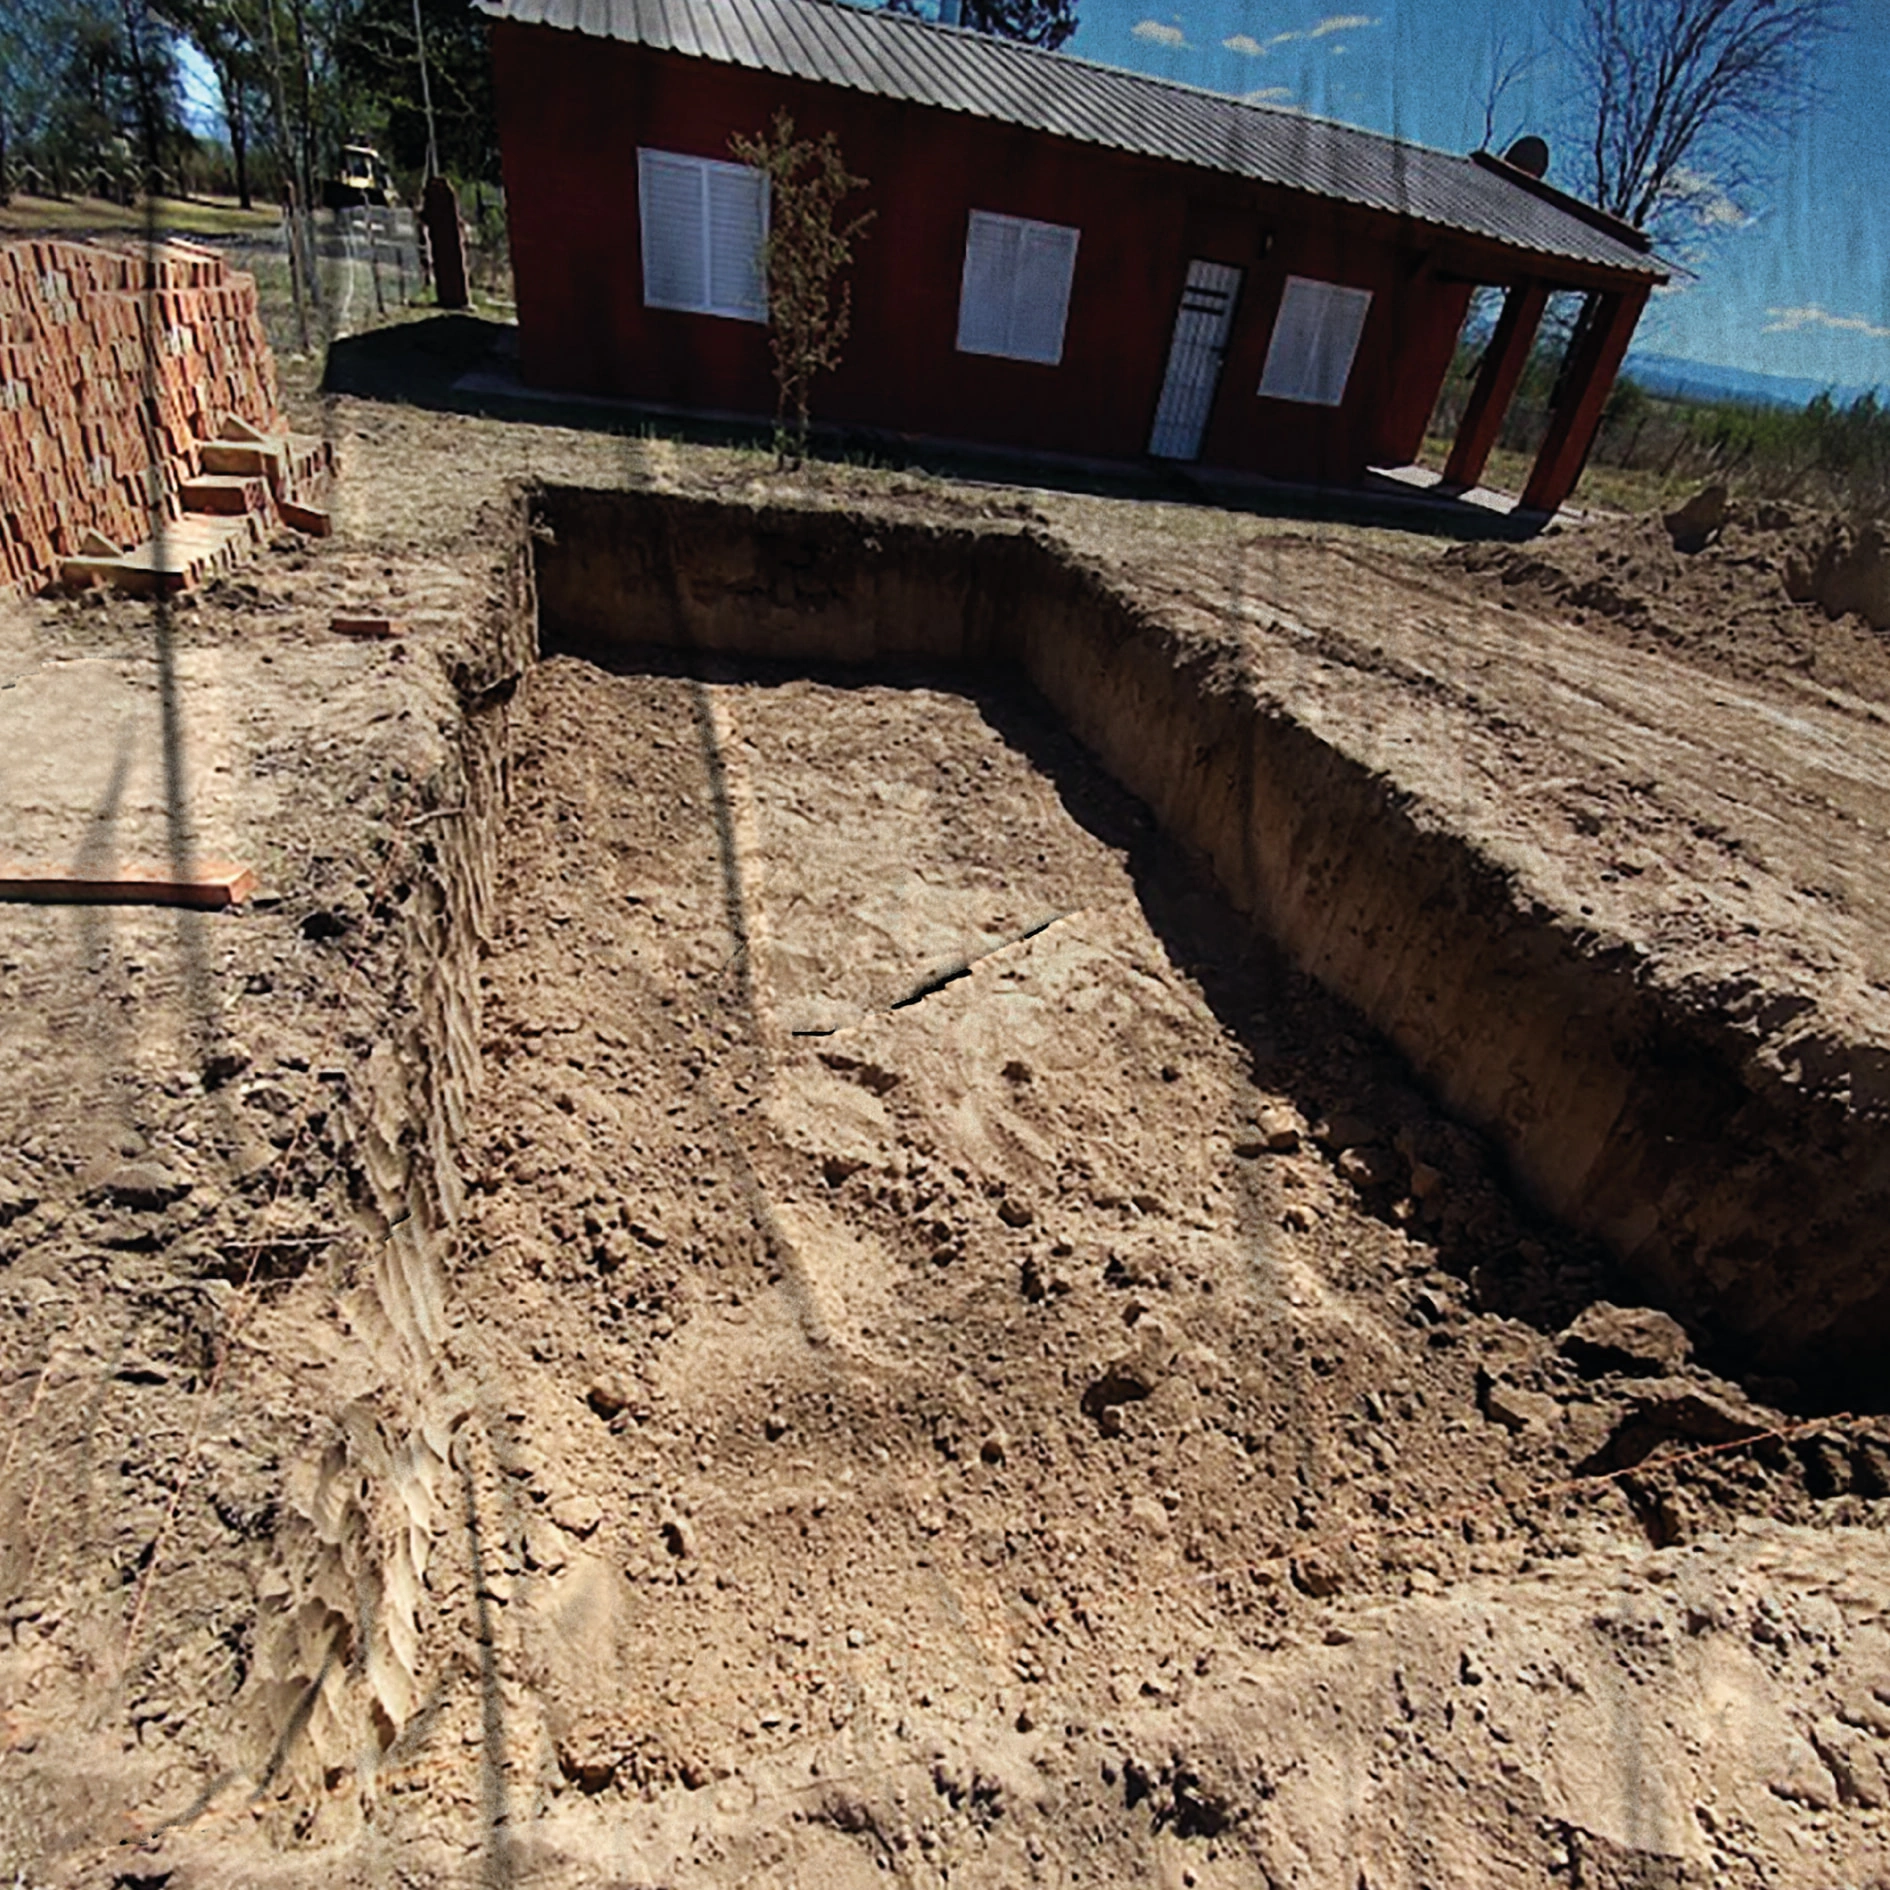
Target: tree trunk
<point>231,85</point>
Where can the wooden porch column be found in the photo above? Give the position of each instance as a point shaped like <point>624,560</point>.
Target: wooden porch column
<point>1503,363</point>
<point>1600,344</point>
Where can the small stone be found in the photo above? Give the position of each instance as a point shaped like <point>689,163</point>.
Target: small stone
<point>1426,1181</point>
<point>993,1448</point>
<point>544,1548</point>
<point>1298,1219</point>
<point>223,1065</point>
<point>1519,1410</point>
<point>1368,1166</point>
<point>575,1513</point>
<point>147,1186</point>
<point>590,1753</point>
<point>1694,525</point>
<point>1802,1779</point>
<point>1342,1132</point>
<point>1634,1339</point>
<point>1015,1213</point>
<point>1276,1131</point>
<point>1686,1410</point>
<point>1316,1575</point>
<point>607,1396</point>
<point>1126,1382</point>
<point>1146,1514</point>
<point>15,1201</point>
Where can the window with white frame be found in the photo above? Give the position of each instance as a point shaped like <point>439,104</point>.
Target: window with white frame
<point>1315,337</point>
<point>703,227</point>
<point>1016,293</point>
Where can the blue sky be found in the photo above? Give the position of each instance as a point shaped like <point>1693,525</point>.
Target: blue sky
<point>1803,288</point>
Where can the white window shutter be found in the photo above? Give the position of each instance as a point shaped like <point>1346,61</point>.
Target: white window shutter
<point>984,300</point>
<point>1046,266</point>
<point>738,224</point>
<point>703,226</point>
<point>675,267</point>
<point>1015,298</point>
<point>1315,340</point>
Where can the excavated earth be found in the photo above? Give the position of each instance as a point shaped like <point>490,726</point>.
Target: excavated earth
<point>781,1253</point>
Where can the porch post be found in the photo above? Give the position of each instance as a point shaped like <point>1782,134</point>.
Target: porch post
<point>1503,363</point>
<point>1601,344</point>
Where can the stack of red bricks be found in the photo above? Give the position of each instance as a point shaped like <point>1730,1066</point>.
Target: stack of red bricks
<point>87,332</point>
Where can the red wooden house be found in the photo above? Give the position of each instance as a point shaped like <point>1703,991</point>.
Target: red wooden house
<point>1065,258</point>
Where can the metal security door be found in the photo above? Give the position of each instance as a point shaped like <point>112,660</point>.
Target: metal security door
<point>1194,359</point>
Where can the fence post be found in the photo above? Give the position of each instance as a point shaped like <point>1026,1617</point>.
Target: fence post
<point>292,243</point>
<point>374,265</point>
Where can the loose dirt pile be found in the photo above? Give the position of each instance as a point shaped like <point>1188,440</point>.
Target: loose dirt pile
<point>1743,588</point>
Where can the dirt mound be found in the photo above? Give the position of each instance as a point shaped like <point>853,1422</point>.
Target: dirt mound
<point>1753,590</point>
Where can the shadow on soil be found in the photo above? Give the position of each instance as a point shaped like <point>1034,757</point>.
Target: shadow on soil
<point>424,363</point>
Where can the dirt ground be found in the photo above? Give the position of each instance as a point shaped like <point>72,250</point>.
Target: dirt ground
<point>935,1356</point>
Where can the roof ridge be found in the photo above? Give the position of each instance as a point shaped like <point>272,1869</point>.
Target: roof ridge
<point>919,20</point>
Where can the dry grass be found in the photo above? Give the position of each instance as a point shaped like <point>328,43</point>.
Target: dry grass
<point>1600,488</point>
<point>169,216</point>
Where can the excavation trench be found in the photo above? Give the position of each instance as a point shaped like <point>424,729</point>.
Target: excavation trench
<point>1742,1196</point>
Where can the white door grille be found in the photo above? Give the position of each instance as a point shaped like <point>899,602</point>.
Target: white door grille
<point>1194,359</point>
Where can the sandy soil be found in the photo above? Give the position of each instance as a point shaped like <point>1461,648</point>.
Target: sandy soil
<point>952,1363</point>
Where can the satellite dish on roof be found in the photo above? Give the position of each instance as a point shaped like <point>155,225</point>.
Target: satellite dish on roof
<point>1529,154</point>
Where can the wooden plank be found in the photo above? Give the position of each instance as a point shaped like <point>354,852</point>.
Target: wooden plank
<point>213,884</point>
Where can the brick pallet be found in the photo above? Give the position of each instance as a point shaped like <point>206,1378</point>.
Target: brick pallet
<point>129,375</point>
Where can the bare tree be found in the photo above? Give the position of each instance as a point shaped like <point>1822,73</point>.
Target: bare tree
<point>809,309</point>
<point>1508,69</point>
<point>1680,98</point>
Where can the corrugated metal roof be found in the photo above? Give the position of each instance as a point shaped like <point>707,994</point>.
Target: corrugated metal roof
<point>897,55</point>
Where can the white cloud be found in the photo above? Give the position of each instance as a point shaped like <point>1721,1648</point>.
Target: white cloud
<point>1161,34</point>
<point>1245,44</point>
<point>1702,198</point>
<point>1788,321</point>
<point>1341,23</point>
<point>1284,39</point>
<point>1336,51</point>
<point>1267,95</point>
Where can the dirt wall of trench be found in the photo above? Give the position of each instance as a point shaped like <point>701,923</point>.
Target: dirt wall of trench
<point>1742,1179</point>
<point>344,1618</point>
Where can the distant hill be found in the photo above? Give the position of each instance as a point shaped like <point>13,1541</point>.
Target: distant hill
<point>1698,380</point>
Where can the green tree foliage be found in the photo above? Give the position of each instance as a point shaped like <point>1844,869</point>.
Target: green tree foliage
<point>89,93</point>
<point>226,34</point>
<point>379,64</point>
<point>29,66</point>
<point>806,248</point>
<point>1037,22</point>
